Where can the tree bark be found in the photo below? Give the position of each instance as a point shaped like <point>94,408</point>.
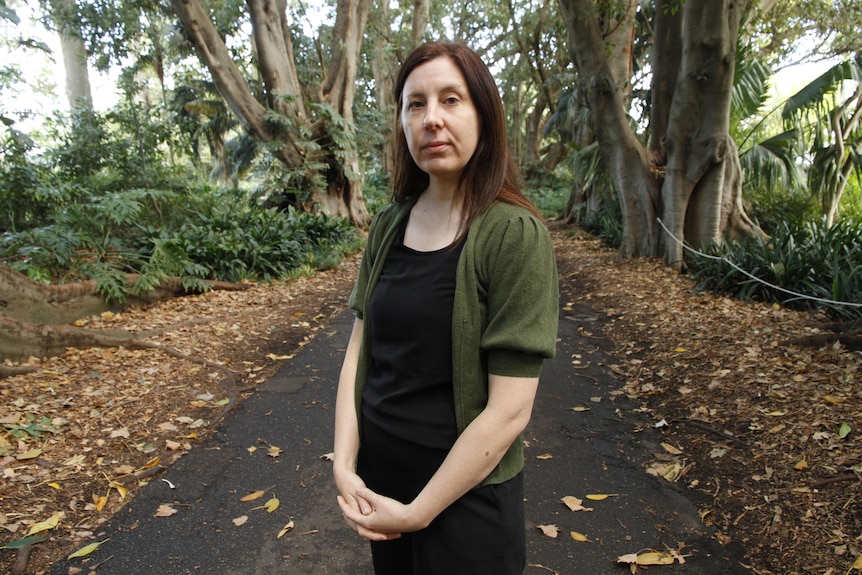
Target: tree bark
<point>697,193</point>
<point>74,56</point>
<point>628,161</point>
<point>344,180</point>
<point>34,316</point>
<point>421,15</point>
<point>285,95</point>
<point>702,189</point>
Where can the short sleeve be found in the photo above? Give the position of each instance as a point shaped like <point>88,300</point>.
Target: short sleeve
<point>520,275</point>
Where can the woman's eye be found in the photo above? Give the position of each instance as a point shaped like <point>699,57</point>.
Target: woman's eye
<point>414,105</point>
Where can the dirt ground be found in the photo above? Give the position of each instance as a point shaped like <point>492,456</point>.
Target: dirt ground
<point>766,435</point>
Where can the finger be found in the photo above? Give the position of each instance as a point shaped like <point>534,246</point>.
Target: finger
<point>372,535</point>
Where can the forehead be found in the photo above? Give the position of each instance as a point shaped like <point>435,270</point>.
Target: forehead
<point>438,73</point>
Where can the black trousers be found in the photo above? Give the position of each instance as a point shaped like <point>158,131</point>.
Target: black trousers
<point>483,533</point>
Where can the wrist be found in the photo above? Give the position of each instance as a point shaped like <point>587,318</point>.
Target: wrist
<point>420,515</point>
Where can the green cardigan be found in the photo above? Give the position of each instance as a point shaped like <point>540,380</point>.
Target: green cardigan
<point>505,313</point>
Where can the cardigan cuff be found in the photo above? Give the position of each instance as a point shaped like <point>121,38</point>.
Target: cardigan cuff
<point>514,363</point>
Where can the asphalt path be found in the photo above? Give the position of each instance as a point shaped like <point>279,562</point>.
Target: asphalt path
<point>600,448</point>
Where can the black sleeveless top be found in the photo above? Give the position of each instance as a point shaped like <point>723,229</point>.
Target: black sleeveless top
<point>409,388</point>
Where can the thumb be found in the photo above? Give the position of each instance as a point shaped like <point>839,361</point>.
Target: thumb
<point>367,500</point>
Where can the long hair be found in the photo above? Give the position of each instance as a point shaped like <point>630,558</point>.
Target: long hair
<point>491,174</point>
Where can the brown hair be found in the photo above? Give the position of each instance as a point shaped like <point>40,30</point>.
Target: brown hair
<point>490,174</point>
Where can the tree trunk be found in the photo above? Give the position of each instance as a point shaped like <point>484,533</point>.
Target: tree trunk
<point>284,93</point>
<point>74,55</point>
<point>32,314</point>
<point>344,181</point>
<point>627,160</point>
<point>383,69</point>
<point>702,186</point>
<point>697,193</point>
<point>421,15</point>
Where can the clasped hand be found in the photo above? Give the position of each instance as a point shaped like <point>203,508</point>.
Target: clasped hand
<point>374,516</point>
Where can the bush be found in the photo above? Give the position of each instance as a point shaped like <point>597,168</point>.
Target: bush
<point>795,266</point>
<point>158,235</point>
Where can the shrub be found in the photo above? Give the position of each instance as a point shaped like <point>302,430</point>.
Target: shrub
<point>810,267</point>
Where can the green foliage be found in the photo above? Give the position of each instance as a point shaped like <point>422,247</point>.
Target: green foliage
<point>196,235</point>
<point>606,223</point>
<point>234,242</point>
<point>812,260</point>
<point>773,208</point>
<point>550,192</point>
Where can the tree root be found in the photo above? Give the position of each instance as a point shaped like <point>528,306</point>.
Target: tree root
<point>20,565</point>
<point>850,341</point>
<point>720,432</point>
<point>10,370</point>
<point>836,479</point>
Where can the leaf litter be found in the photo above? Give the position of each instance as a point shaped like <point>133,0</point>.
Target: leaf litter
<point>92,426</point>
<point>762,430</point>
<point>688,357</point>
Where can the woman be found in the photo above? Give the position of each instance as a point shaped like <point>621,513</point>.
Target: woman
<point>456,309</point>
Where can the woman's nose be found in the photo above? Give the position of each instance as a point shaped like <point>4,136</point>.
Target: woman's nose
<point>432,118</point>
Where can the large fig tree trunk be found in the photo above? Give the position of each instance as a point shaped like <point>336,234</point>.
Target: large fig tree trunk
<point>35,319</point>
<point>689,180</point>
<point>284,94</point>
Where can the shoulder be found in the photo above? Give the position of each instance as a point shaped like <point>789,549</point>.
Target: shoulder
<point>503,219</point>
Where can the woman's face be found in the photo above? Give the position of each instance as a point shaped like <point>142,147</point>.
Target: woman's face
<point>439,120</point>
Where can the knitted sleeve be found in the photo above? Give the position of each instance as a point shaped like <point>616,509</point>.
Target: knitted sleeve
<point>520,276</point>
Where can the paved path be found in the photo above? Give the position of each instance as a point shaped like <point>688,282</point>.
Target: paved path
<point>595,451</point>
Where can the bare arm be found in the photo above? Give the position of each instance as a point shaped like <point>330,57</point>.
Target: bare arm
<point>347,431</point>
<point>475,454</point>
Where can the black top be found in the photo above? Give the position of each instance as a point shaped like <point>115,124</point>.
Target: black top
<point>409,389</point>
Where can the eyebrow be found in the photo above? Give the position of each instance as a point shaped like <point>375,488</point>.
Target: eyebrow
<point>460,88</point>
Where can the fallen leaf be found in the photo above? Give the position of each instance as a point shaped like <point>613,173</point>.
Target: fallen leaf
<point>858,563</point>
<point>271,505</point>
<point>254,495</point>
<point>550,530</point>
<point>165,511</point>
<point>273,451</point>
<point>49,523</point>
<point>578,537</point>
<point>285,529</point>
<point>575,504</point>
<point>655,558</point>
<point>544,456</point>
<point>86,549</point>
<point>121,489</point>
<point>19,543</point>
<point>328,456</point>
<point>124,433</point>
<point>671,449</point>
<point>101,502</point>
<point>800,465</point>
<point>844,430</point>
<point>152,462</point>
<point>31,454</point>
<point>275,357</point>
<point>240,521</point>
<point>601,496</point>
